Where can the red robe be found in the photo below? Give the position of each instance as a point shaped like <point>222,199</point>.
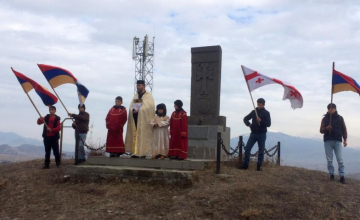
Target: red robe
<point>179,134</point>
<point>115,120</point>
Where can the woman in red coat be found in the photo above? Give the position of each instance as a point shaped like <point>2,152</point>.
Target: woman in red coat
<point>178,133</point>
<point>115,120</point>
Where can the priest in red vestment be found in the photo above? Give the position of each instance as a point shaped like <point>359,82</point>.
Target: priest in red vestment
<point>178,133</point>
<point>115,120</point>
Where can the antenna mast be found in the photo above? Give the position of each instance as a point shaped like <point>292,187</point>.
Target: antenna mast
<point>143,55</point>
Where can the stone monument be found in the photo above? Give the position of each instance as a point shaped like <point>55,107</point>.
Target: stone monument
<point>204,120</point>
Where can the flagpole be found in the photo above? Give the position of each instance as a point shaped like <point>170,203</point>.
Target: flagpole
<point>59,98</point>
<point>36,108</point>
<point>33,103</point>
<point>332,92</point>
<point>252,100</point>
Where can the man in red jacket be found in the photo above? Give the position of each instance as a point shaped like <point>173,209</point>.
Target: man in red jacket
<point>51,135</point>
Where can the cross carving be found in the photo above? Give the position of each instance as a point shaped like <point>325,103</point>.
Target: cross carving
<point>293,93</point>
<point>259,80</point>
<point>204,74</point>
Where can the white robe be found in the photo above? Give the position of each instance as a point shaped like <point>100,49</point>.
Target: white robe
<point>161,135</point>
<point>139,140</point>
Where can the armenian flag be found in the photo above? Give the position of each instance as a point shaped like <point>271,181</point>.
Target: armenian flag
<point>57,76</point>
<point>28,84</point>
<point>342,82</point>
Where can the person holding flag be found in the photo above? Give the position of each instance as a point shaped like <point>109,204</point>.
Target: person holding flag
<point>51,121</point>
<point>334,131</point>
<point>81,125</point>
<point>51,136</point>
<point>333,125</point>
<point>261,119</point>
<point>260,122</point>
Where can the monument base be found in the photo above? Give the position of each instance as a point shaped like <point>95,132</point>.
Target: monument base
<point>207,120</point>
<point>203,141</point>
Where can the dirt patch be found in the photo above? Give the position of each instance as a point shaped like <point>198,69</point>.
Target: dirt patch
<point>29,192</point>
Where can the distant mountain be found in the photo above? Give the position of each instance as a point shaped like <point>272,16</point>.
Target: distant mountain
<point>14,140</point>
<point>305,152</point>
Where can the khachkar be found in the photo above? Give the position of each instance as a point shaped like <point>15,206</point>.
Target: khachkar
<point>204,120</point>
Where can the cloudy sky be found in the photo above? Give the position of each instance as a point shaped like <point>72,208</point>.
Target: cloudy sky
<point>294,41</point>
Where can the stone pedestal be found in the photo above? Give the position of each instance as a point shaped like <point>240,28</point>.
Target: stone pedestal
<point>203,141</point>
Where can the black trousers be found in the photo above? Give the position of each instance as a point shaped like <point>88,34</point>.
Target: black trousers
<point>51,143</point>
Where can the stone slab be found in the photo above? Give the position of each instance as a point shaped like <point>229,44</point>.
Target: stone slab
<point>205,149</point>
<point>205,81</point>
<point>126,174</point>
<point>207,120</point>
<point>148,163</point>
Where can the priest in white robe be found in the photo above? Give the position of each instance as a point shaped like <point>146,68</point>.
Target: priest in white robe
<point>139,133</point>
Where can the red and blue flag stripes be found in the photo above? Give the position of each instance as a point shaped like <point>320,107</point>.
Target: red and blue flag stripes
<point>342,82</point>
<point>28,84</point>
<point>57,76</point>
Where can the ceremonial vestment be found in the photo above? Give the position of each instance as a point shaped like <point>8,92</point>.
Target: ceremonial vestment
<point>115,121</point>
<point>178,134</point>
<point>161,135</point>
<point>139,133</point>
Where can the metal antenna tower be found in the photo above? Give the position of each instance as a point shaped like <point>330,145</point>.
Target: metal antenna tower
<point>143,55</point>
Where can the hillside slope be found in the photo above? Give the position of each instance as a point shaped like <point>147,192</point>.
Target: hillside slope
<point>28,192</point>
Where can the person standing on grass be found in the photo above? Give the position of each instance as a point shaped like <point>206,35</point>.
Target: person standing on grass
<point>81,125</point>
<point>258,126</point>
<point>51,136</point>
<point>115,121</point>
<point>160,123</point>
<point>334,129</point>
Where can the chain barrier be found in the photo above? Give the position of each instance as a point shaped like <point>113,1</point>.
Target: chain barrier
<point>226,151</point>
<point>268,152</point>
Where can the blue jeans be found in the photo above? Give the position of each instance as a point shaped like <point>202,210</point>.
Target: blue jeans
<point>81,151</point>
<point>253,138</point>
<point>330,147</point>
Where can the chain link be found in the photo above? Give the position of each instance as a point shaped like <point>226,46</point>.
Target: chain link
<point>226,151</point>
<point>276,147</point>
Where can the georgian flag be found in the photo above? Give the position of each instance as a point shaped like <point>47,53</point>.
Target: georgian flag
<point>256,80</point>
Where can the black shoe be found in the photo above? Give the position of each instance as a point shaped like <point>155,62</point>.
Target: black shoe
<point>142,157</point>
<point>244,167</point>
<point>134,156</point>
<point>332,177</point>
<point>173,157</point>
<point>342,180</point>
<point>179,158</point>
<point>46,167</point>
<point>112,155</point>
<point>58,165</point>
<point>258,168</point>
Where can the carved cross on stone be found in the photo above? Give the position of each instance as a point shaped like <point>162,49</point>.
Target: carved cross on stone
<point>204,74</point>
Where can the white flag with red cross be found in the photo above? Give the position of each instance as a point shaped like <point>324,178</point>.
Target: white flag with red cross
<point>256,80</point>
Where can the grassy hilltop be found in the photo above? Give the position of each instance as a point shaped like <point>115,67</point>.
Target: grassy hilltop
<point>28,192</point>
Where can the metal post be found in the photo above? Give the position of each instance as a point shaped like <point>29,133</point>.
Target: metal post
<point>240,151</point>
<point>278,156</point>
<point>218,152</point>
<point>76,147</point>
<point>61,139</point>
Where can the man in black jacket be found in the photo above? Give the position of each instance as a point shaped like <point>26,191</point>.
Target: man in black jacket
<point>334,131</point>
<point>258,127</point>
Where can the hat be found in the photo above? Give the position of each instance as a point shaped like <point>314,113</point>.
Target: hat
<point>178,103</point>
<point>140,82</point>
<point>161,106</point>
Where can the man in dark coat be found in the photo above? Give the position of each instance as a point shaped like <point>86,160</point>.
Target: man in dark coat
<point>260,122</point>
